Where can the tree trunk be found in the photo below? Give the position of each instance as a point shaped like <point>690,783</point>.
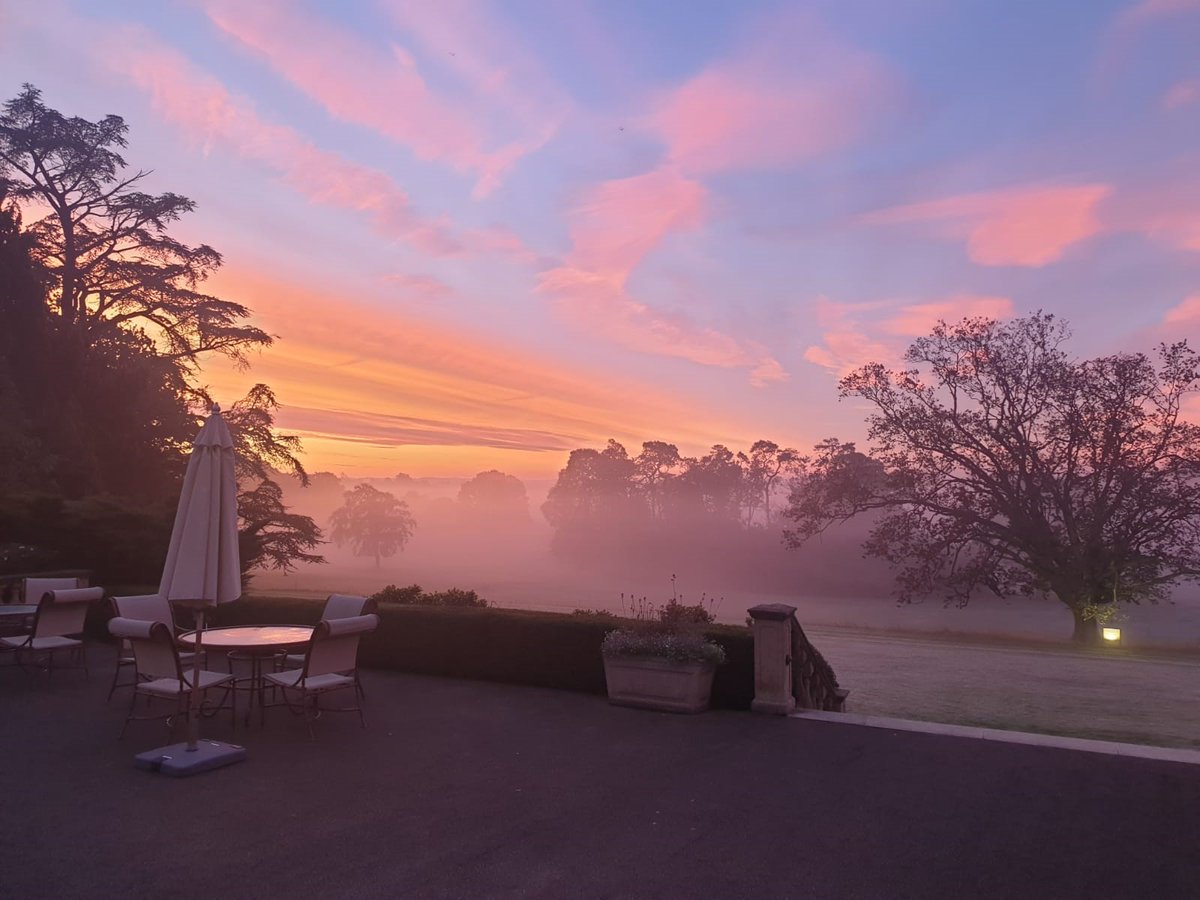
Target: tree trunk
<point>1087,631</point>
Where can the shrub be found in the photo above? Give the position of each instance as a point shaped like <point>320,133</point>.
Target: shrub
<point>412,595</point>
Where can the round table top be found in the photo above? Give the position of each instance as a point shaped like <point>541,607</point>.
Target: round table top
<point>252,637</point>
<point>18,609</point>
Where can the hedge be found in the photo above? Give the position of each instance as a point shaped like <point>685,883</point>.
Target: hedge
<point>514,646</point>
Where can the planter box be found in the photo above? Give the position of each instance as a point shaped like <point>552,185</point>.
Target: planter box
<point>650,683</point>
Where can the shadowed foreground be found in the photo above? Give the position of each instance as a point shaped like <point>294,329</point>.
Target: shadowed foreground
<point>462,788</point>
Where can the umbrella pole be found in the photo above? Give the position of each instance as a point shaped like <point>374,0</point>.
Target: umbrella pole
<point>193,707</point>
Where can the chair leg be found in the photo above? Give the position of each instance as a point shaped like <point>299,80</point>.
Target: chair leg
<point>129,715</point>
<point>116,676</point>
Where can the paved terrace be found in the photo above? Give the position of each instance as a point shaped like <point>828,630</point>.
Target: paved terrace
<point>468,789</point>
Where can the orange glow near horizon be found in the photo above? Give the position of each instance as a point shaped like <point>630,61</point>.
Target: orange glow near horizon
<point>381,393</point>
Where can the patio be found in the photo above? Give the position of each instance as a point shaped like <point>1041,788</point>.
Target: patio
<point>460,788</point>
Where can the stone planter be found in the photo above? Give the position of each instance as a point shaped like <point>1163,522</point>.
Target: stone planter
<point>648,682</point>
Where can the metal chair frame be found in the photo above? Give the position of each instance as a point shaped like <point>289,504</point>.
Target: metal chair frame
<point>157,660</point>
<point>59,615</point>
<point>332,651</point>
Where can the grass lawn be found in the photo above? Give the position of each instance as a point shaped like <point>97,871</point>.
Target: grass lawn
<point>1118,696</point>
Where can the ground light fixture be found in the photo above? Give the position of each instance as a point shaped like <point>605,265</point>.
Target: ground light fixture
<point>1111,635</point>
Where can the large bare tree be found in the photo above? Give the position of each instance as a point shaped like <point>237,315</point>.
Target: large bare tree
<point>1001,462</point>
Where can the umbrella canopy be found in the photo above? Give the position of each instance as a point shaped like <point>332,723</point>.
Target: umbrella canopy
<point>203,568</point>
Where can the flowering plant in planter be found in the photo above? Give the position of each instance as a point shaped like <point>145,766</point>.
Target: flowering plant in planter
<point>667,645</point>
<point>662,660</point>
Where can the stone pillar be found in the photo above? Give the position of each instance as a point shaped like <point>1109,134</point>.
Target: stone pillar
<point>772,626</point>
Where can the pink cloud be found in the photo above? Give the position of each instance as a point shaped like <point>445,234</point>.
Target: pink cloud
<point>383,88</point>
<point>793,93</point>
<point>1024,226</point>
<point>917,320</point>
<point>1166,209</point>
<point>613,228</point>
<point>1181,94</point>
<point>620,221</point>
<point>1188,311</point>
<point>845,342</point>
<point>1151,10</point>
<point>599,304</point>
<point>200,105</point>
<point>848,342</point>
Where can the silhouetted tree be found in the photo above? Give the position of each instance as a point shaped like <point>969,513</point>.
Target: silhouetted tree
<point>714,483</point>
<point>102,326</point>
<point>22,346</point>
<point>1001,462</point>
<point>766,467</point>
<point>271,537</point>
<point>106,244</point>
<point>655,468</point>
<point>595,483</point>
<point>373,522</point>
<point>495,497</point>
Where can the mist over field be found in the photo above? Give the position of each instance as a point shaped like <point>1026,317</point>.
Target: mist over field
<point>507,556</point>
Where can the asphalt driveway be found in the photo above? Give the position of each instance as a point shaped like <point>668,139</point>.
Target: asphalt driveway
<point>467,789</point>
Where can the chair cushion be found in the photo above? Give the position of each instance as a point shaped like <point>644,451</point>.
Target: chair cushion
<point>314,683</point>
<point>121,627</point>
<point>78,595</point>
<point>170,687</point>
<point>351,625</point>
<point>53,642</point>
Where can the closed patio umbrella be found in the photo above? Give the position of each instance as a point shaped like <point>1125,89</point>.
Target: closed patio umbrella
<point>202,570</point>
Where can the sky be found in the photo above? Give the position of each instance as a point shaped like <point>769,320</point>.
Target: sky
<point>487,233</point>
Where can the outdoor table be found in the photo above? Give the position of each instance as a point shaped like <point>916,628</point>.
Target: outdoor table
<point>258,643</point>
<point>16,615</point>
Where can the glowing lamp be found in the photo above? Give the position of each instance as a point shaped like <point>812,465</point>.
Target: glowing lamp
<point>1111,635</point>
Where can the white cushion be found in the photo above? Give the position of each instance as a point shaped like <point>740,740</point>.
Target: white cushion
<point>327,682</point>
<point>170,687</point>
<point>352,625</point>
<point>53,642</point>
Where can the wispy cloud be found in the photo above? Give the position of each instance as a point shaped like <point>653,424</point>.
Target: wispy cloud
<point>1022,226</point>
<point>381,86</point>
<point>612,230</point>
<point>1146,11</point>
<point>793,92</point>
<point>855,334</point>
<point>1186,312</point>
<point>194,101</point>
<point>917,319</point>
<point>1181,94</point>
<point>386,379</point>
<point>199,104</point>
<point>424,288</point>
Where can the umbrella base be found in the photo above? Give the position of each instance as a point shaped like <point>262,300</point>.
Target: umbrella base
<point>177,761</point>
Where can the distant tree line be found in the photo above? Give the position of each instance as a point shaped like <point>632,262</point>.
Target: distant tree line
<point>103,328</point>
<point>715,513</point>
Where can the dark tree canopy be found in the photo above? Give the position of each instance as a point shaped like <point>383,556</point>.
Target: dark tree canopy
<point>494,497</point>
<point>373,522</point>
<point>105,244</point>
<point>102,330</point>
<point>1001,462</point>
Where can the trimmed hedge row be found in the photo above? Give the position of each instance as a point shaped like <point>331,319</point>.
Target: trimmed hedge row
<point>508,645</point>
